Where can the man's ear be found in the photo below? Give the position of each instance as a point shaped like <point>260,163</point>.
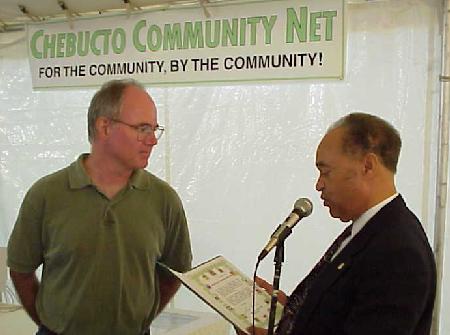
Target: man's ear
<point>371,163</point>
<point>102,126</point>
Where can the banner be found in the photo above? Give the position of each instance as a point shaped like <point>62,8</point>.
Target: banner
<point>272,40</point>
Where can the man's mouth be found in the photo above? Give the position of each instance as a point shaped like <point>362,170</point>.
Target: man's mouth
<point>325,202</point>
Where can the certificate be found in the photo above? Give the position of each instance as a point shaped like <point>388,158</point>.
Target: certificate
<point>229,292</point>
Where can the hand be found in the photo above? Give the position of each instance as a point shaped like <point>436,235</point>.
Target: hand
<point>255,331</point>
<point>264,284</point>
<point>282,298</point>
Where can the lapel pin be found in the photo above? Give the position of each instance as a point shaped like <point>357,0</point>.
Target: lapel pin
<point>341,266</point>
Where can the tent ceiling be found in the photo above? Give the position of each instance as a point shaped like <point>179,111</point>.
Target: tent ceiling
<point>17,12</point>
<point>14,13</point>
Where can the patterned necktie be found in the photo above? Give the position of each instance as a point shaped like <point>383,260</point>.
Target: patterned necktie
<point>297,297</point>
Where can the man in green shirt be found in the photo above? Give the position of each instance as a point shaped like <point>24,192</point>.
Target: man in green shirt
<point>99,226</point>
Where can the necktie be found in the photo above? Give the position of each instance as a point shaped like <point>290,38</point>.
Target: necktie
<point>298,296</point>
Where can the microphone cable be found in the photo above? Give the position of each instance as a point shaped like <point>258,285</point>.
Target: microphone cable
<point>253,296</point>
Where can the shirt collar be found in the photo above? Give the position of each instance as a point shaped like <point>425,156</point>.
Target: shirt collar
<point>78,177</point>
<point>359,223</point>
<point>139,180</point>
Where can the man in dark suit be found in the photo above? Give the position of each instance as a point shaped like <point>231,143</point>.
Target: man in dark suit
<point>379,276</point>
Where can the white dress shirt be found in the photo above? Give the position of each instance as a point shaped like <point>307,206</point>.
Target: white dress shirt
<point>360,222</point>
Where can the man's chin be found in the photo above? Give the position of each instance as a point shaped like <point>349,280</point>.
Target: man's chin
<point>339,216</point>
<point>142,164</point>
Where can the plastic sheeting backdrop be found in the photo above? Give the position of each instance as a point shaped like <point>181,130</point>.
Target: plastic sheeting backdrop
<point>240,155</point>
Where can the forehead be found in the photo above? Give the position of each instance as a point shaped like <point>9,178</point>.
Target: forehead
<point>330,148</point>
<point>137,104</point>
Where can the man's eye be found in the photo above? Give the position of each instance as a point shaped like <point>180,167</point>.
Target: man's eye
<point>144,129</point>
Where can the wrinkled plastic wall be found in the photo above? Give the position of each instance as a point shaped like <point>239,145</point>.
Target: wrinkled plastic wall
<point>240,155</point>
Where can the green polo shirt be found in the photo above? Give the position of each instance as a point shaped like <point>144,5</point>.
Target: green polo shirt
<point>99,255</point>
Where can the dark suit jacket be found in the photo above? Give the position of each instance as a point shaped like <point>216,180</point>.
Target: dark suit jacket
<point>383,282</point>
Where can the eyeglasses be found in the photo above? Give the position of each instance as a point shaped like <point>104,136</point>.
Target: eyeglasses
<point>144,129</point>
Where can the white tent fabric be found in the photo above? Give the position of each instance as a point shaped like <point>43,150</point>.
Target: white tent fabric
<point>16,12</point>
<point>240,155</point>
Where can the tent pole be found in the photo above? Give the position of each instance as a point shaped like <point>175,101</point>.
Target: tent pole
<point>442,168</point>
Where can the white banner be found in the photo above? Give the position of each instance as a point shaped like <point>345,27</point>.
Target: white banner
<point>273,40</point>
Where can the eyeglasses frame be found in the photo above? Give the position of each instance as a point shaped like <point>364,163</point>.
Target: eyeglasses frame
<point>148,129</point>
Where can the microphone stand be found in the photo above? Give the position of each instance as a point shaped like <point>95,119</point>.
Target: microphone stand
<point>278,261</point>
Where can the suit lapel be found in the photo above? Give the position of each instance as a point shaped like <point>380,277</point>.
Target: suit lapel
<point>343,261</point>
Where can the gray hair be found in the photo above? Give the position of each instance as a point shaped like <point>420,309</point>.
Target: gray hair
<point>367,133</point>
<point>107,102</point>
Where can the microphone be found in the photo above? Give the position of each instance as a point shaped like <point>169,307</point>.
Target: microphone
<point>302,208</point>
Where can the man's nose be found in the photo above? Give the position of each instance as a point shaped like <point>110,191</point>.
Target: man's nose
<point>150,139</point>
<point>319,184</point>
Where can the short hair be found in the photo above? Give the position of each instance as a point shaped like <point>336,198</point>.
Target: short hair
<point>365,133</point>
<point>107,102</point>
